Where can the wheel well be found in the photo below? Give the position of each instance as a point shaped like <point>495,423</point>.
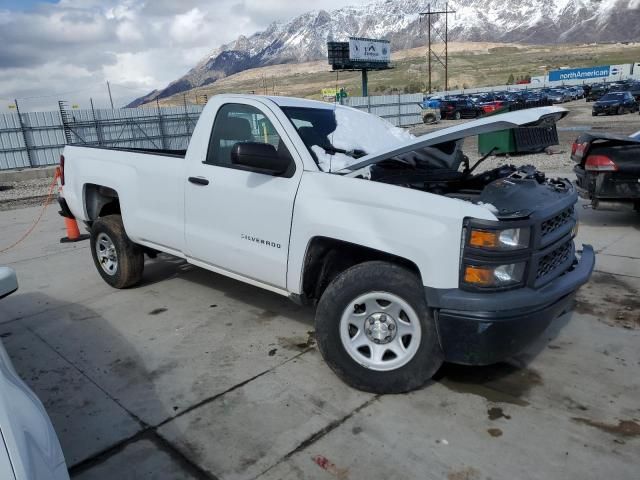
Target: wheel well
<point>326,258</point>
<point>100,201</point>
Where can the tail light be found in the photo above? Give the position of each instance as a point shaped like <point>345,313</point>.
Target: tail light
<point>578,149</point>
<point>61,169</point>
<point>600,163</point>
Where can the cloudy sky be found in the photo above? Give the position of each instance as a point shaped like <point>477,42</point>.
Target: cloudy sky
<point>67,49</point>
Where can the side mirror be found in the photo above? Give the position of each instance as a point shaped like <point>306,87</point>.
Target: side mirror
<point>8,281</point>
<point>259,157</point>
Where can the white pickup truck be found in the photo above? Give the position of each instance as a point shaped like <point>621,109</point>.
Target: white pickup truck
<point>411,258</point>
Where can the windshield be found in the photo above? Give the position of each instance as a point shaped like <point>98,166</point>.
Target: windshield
<point>337,138</point>
<point>613,96</point>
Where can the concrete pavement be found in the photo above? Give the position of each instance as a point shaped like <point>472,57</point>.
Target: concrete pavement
<point>195,376</point>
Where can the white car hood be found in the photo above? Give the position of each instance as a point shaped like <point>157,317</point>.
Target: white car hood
<point>493,123</point>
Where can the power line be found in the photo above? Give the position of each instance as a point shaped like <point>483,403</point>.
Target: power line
<point>431,53</point>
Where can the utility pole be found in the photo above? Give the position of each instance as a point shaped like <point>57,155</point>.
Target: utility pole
<point>109,90</point>
<point>444,37</point>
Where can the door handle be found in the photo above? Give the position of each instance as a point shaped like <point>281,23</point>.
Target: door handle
<point>199,181</point>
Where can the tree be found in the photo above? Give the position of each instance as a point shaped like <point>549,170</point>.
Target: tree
<point>511,80</point>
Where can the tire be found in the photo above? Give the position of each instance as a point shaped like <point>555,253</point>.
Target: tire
<point>594,114</point>
<point>457,116</point>
<point>430,118</point>
<point>620,111</point>
<point>351,297</point>
<point>119,261</point>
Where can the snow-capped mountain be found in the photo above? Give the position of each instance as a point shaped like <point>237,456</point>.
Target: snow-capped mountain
<point>304,37</point>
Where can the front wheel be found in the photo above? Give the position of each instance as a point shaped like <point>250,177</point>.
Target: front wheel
<point>119,261</point>
<point>375,331</point>
<point>457,116</point>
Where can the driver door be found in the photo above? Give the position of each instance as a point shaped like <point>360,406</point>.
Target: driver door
<point>238,220</point>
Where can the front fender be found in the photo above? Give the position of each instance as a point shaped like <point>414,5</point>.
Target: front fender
<point>423,228</point>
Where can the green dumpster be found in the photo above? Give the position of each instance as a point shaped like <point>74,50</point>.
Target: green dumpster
<point>502,141</point>
<point>518,140</point>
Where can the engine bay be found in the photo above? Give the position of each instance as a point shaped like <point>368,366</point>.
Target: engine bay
<point>510,192</point>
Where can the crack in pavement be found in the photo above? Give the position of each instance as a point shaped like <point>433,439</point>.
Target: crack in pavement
<point>314,437</point>
<point>146,429</point>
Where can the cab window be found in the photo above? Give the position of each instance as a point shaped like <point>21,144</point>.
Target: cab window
<point>236,123</point>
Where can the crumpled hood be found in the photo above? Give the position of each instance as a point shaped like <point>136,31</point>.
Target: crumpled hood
<point>490,124</point>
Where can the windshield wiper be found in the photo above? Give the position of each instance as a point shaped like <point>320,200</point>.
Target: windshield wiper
<point>351,153</point>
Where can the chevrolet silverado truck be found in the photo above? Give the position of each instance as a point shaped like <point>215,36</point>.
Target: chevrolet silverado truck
<point>410,257</point>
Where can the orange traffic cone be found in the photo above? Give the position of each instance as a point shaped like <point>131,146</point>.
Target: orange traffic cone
<point>73,232</point>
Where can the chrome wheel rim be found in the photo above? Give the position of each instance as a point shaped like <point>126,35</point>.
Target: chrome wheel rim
<point>106,253</point>
<point>380,331</point>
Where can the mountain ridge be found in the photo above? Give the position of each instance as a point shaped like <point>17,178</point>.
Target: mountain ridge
<point>303,38</point>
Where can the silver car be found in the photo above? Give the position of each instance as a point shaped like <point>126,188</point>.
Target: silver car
<point>31,450</point>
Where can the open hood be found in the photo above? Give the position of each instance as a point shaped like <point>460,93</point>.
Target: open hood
<point>505,121</point>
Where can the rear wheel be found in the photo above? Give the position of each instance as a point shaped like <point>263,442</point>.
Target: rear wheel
<point>620,110</point>
<point>119,261</point>
<point>457,116</point>
<point>375,331</point>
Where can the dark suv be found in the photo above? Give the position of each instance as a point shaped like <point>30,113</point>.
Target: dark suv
<point>460,108</point>
<point>616,103</point>
<point>596,91</point>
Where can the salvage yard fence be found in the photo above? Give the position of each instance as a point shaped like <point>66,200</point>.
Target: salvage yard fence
<point>400,110</point>
<point>36,139</point>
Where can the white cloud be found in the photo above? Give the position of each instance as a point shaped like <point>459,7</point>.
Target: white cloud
<point>139,45</point>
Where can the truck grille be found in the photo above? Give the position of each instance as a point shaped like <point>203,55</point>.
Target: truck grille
<point>553,260</point>
<point>554,223</point>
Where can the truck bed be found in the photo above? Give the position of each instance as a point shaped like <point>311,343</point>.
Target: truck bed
<point>146,151</point>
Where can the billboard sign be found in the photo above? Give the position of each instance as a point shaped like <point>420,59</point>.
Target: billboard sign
<point>369,50</point>
<point>580,73</point>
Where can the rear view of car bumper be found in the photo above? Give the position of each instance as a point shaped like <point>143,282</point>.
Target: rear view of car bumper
<point>615,186</point>
<point>485,328</point>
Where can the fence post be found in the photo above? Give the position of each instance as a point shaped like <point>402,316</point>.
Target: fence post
<point>399,110</point>
<point>186,114</point>
<point>97,124</point>
<point>161,126</point>
<point>368,104</point>
<point>24,134</point>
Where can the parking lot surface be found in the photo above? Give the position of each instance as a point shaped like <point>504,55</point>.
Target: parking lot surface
<point>195,376</point>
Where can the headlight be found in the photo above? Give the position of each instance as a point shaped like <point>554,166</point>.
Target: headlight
<point>509,239</point>
<point>494,276</point>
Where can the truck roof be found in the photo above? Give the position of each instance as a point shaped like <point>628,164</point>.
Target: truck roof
<point>285,101</point>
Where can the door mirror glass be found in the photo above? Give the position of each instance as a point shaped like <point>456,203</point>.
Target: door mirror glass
<point>259,157</point>
<point>8,281</point>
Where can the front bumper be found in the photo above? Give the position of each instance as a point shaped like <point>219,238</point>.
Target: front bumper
<point>479,328</point>
<point>609,110</point>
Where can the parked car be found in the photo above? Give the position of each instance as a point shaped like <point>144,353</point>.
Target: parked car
<point>596,91</point>
<point>576,92</point>
<point>29,447</point>
<point>307,200</point>
<point>558,95</point>
<point>457,109</point>
<point>431,101</point>
<point>535,99</point>
<point>632,87</point>
<point>615,103</point>
<point>608,167</point>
